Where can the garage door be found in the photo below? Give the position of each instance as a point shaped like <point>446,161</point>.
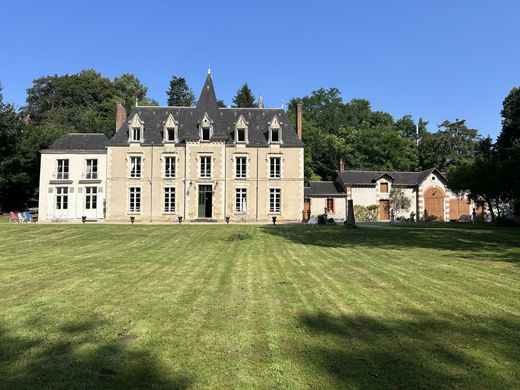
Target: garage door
<point>458,207</point>
<point>434,204</point>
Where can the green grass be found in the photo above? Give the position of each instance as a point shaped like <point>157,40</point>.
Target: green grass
<point>122,306</point>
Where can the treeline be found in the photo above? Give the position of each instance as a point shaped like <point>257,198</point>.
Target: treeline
<point>332,130</point>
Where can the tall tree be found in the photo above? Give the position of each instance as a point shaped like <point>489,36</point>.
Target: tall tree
<point>511,120</point>
<point>448,147</point>
<point>244,97</point>
<point>129,89</point>
<point>179,93</point>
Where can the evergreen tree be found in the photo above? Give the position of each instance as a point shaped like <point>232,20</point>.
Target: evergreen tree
<point>179,93</point>
<point>244,97</point>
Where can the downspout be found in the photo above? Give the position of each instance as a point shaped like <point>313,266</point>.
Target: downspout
<point>257,183</point>
<point>185,177</point>
<point>151,188</point>
<point>225,180</point>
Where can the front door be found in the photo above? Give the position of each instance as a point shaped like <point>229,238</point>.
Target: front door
<point>384,210</point>
<point>205,201</point>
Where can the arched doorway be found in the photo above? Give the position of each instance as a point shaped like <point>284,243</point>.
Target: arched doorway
<point>434,204</point>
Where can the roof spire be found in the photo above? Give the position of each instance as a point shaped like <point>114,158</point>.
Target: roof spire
<point>209,69</point>
<point>260,102</point>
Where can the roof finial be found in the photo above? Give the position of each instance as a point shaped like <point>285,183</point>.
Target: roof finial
<point>209,69</point>
<point>136,102</point>
<point>260,102</point>
<point>283,105</point>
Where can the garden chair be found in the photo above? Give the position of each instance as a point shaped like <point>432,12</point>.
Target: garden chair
<point>13,218</point>
<point>21,218</point>
<point>28,217</point>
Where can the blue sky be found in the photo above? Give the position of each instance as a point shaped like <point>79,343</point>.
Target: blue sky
<point>431,59</point>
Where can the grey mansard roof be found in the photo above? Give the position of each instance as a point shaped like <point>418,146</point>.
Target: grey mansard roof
<point>398,178</point>
<point>80,141</point>
<point>224,120</point>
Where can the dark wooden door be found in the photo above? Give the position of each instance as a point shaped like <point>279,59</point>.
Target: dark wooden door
<point>384,210</point>
<point>205,201</point>
<point>306,209</point>
<point>434,204</point>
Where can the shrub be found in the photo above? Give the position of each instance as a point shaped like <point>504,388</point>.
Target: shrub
<point>322,219</point>
<point>365,213</point>
<point>508,221</point>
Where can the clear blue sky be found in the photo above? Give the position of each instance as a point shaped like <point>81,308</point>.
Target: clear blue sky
<point>432,59</point>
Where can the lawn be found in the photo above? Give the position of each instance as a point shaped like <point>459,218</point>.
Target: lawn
<point>122,306</point>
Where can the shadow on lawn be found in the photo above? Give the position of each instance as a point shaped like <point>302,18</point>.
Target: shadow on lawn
<point>476,244</point>
<point>71,357</point>
<point>414,353</point>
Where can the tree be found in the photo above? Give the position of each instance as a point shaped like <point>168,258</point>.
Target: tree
<point>244,97</point>
<point>398,200</point>
<point>129,89</point>
<point>511,120</point>
<point>179,93</point>
<point>448,147</point>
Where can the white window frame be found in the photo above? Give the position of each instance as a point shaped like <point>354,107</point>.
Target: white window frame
<point>206,124</point>
<point>170,175</point>
<point>136,124</point>
<point>62,169</point>
<point>62,198</point>
<point>91,198</point>
<point>90,172</point>
<point>131,175</point>
<point>134,208</point>
<point>241,200</point>
<point>169,200</point>
<point>276,207</point>
<point>270,158</point>
<point>170,124</point>
<point>203,173</point>
<point>241,124</point>
<point>275,125</point>
<point>241,171</point>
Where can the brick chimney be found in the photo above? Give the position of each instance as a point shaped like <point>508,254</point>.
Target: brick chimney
<point>120,115</point>
<point>299,120</point>
<point>341,165</point>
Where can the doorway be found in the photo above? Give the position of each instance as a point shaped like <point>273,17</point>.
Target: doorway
<point>434,204</point>
<point>205,201</point>
<point>384,210</point>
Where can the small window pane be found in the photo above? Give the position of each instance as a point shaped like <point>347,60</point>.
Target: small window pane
<point>169,199</point>
<point>241,200</point>
<point>274,200</point>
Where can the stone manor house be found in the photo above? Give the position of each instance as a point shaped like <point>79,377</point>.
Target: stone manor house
<point>208,163</point>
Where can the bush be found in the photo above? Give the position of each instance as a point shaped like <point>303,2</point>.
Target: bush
<point>322,219</point>
<point>365,213</point>
<point>331,221</point>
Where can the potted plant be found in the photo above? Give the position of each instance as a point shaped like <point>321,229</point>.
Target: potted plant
<point>84,218</point>
<point>132,219</point>
<point>180,218</point>
<point>227,219</point>
<point>274,220</point>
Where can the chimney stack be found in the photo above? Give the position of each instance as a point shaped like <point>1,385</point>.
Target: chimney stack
<point>299,120</point>
<point>341,165</point>
<point>120,115</point>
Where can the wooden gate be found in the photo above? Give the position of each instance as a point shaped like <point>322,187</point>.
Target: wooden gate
<point>458,207</point>
<point>434,204</point>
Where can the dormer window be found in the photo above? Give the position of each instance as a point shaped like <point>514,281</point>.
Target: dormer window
<point>170,130</point>
<point>206,128</point>
<point>275,131</point>
<point>241,130</point>
<point>136,129</point>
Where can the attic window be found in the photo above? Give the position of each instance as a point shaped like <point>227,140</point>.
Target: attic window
<point>135,134</point>
<point>170,134</point>
<point>205,134</point>
<point>241,135</point>
<point>275,135</point>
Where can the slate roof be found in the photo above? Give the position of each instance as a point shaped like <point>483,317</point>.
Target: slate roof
<point>224,120</point>
<point>324,188</point>
<point>80,141</point>
<point>398,178</point>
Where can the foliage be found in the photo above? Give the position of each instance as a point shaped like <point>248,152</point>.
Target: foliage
<point>511,120</point>
<point>398,200</point>
<point>129,89</point>
<point>448,147</point>
<point>244,97</point>
<point>322,219</point>
<point>179,93</point>
<point>366,213</point>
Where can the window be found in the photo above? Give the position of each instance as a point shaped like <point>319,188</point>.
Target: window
<point>330,205</point>
<point>90,198</point>
<point>383,188</point>
<point>169,167</point>
<point>275,135</point>
<point>205,134</point>
<point>205,166</point>
<point>135,200</point>
<point>241,135</point>
<point>135,167</point>
<point>240,167</point>
<point>274,200</point>
<point>169,199</point>
<point>275,167</point>
<point>91,171</point>
<point>62,170</point>
<point>241,200</point>
<point>62,198</point>
<point>170,134</point>
<point>135,134</point>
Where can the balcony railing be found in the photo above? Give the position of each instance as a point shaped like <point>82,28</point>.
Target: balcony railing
<point>60,176</point>
<point>89,175</point>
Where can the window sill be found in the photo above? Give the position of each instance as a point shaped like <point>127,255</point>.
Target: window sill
<point>135,178</point>
<point>169,178</point>
<point>169,213</point>
<point>275,178</point>
<point>134,213</point>
<point>274,213</point>
<point>240,178</point>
